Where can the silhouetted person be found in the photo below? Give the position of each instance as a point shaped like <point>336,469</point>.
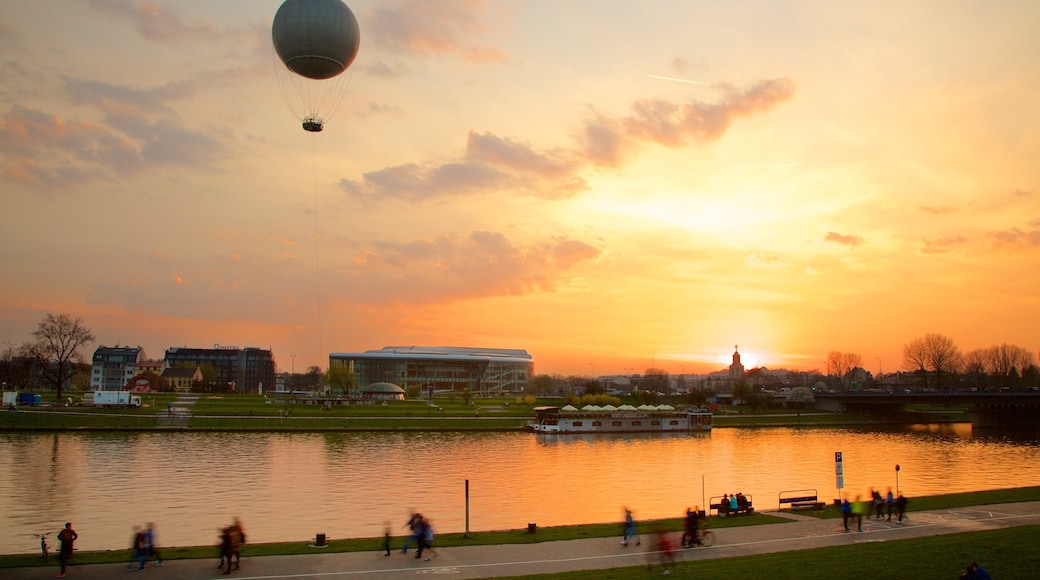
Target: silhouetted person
<point>225,546</point>
<point>901,506</point>
<point>67,536</point>
<point>236,537</point>
<point>150,544</point>
<point>410,524</point>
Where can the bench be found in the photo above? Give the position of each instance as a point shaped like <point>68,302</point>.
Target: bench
<point>716,505</point>
<point>800,499</point>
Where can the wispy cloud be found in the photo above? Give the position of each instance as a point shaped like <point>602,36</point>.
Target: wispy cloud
<point>608,140</point>
<point>937,210</point>
<point>493,164</point>
<point>1016,238</point>
<point>845,240</point>
<point>425,28</point>
<point>158,23</point>
<point>943,245</point>
<point>442,269</point>
<point>449,268</point>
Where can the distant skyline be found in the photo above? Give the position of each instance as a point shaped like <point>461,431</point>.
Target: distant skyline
<point>609,185</point>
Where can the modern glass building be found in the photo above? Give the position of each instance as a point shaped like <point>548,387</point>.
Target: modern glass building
<point>243,370</point>
<point>441,368</point>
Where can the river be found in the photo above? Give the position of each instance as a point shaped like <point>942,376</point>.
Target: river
<point>291,486</point>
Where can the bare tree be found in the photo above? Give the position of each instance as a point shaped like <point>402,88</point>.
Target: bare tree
<point>975,366</point>
<point>841,364</point>
<point>1007,362</point>
<point>915,359</point>
<point>935,353</point>
<point>655,380</point>
<point>56,350</point>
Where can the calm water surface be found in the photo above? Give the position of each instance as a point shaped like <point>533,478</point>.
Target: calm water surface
<point>288,487</point>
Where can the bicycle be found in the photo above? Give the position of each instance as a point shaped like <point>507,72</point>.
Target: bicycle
<point>44,548</point>
<point>704,538</point>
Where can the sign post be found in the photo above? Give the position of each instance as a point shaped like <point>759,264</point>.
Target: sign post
<point>897,480</point>
<point>839,473</point>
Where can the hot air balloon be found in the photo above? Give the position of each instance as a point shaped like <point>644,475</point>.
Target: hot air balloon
<point>316,41</point>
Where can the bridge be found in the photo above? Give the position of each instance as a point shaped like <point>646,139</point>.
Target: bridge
<point>987,409</point>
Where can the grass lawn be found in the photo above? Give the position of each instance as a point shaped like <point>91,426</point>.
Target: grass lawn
<point>1005,553</point>
<point>234,412</point>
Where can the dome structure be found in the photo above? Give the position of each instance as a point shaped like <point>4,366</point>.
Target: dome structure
<point>383,392</point>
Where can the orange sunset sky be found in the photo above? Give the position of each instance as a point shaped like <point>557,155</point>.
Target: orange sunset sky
<point>610,185</point>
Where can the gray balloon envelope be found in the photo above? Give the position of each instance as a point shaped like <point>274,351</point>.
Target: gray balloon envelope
<point>316,39</point>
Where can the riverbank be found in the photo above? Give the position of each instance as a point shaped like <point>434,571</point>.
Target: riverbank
<point>928,544</point>
<point>543,534</point>
<point>252,413</point>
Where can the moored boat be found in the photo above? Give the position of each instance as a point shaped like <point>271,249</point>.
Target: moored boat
<point>626,419</point>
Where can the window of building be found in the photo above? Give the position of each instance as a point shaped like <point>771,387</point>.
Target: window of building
<point>577,423</point>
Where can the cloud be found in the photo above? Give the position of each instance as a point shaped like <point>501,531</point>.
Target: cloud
<point>490,164</point>
<point>493,164</point>
<point>656,121</point>
<point>45,151</point>
<point>937,210</point>
<point>764,260</point>
<point>1016,238</point>
<point>851,241</point>
<point>430,28</point>
<point>942,245</point>
<point>449,268</point>
<point>157,23</point>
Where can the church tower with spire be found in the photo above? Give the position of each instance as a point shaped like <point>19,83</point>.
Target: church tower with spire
<point>736,370</point>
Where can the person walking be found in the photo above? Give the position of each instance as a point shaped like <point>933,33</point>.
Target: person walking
<point>420,536</point>
<point>67,536</point>
<point>428,539</point>
<point>846,511</point>
<point>413,520</point>
<point>151,548</point>
<point>386,538</point>
<point>139,548</point>
<point>629,528</point>
<point>901,506</point>
<point>859,509</point>
<point>236,537</point>
<point>225,547</point>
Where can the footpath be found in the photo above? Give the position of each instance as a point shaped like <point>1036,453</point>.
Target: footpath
<point>803,532</point>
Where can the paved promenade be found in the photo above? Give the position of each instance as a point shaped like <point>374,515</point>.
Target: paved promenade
<point>600,553</point>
